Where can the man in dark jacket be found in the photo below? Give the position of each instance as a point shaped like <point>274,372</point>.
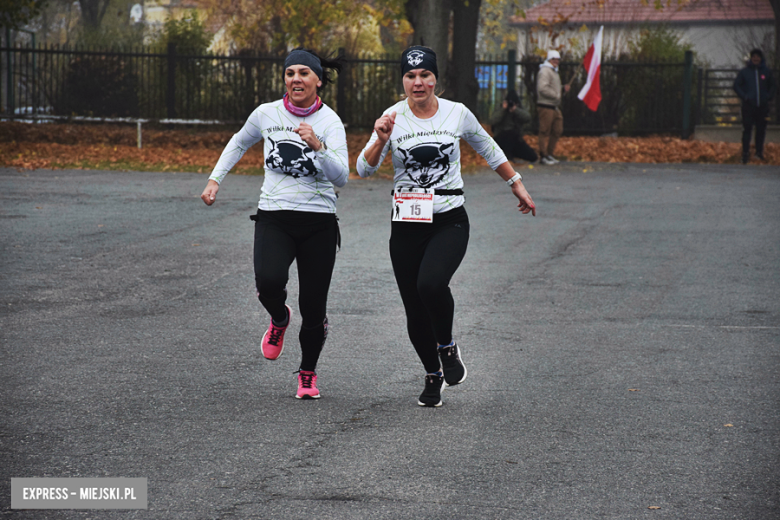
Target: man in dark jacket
<point>507,125</point>
<point>756,88</point>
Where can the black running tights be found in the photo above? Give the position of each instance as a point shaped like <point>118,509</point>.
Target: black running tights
<point>309,239</point>
<point>425,257</point>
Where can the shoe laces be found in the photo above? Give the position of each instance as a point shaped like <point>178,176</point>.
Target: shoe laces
<point>306,378</point>
<point>432,379</point>
<point>275,335</point>
<point>449,353</point>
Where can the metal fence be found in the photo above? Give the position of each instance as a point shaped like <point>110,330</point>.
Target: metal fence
<point>637,99</point>
<point>38,81</point>
<point>717,102</point>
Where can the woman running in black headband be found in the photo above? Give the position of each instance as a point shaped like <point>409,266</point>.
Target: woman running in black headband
<point>305,157</point>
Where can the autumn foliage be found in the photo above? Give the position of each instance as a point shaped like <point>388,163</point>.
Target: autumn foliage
<point>55,146</point>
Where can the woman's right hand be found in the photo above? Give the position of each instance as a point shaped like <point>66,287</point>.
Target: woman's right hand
<point>526,204</point>
<point>209,195</point>
<point>384,127</point>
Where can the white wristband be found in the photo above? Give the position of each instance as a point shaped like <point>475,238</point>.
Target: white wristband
<point>516,177</point>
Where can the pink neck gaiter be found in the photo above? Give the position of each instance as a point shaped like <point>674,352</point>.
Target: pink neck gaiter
<point>301,112</point>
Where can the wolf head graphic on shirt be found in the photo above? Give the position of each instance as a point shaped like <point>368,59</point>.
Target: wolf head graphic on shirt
<point>292,158</point>
<point>426,163</point>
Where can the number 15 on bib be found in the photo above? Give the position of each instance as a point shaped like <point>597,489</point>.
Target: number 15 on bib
<point>415,205</point>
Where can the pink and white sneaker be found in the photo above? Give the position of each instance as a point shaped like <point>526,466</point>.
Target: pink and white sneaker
<point>307,385</point>
<point>273,339</point>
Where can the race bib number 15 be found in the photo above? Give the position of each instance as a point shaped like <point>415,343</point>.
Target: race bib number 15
<point>415,205</point>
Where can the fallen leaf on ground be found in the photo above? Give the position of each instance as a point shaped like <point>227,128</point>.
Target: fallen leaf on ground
<point>97,146</point>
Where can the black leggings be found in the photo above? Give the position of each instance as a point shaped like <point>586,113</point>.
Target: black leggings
<point>310,239</point>
<point>425,257</point>
<point>513,145</point>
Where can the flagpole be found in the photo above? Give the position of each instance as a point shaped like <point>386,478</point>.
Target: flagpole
<point>576,72</point>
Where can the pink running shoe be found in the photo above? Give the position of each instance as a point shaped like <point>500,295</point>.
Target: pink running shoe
<point>307,385</point>
<point>273,339</point>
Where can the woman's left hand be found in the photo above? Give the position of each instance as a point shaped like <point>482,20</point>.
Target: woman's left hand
<point>307,134</point>
<point>526,204</point>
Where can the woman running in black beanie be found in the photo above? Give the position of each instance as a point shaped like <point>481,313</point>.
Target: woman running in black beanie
<point>430,227</point>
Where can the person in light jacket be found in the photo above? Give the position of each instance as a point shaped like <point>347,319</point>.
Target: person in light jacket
<point>549,93</point>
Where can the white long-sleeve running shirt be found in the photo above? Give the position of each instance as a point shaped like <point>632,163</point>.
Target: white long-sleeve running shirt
<point>296,177</point>
<point>426,152</point>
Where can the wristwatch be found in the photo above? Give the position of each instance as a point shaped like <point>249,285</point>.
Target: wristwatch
<point>516,177</point>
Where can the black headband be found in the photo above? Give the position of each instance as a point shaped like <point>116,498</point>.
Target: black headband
<point>419,57</point>
<point>301,57</point>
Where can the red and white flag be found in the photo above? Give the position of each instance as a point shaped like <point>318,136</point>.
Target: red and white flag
<point>591,92</point>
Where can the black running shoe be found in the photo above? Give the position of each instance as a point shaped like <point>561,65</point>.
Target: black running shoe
<point>454,370</point>
<point>431,396</point>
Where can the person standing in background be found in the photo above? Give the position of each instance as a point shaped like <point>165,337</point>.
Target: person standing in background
<point>549,93</point>
<point>756,87</point>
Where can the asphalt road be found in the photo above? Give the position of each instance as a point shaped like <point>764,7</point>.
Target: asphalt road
<point>623,352</point>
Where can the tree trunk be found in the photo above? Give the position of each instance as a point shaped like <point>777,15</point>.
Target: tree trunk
<point>431,22</point>
<point>462,81</point>
<point>776,8</point>
<point>92,12</point>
